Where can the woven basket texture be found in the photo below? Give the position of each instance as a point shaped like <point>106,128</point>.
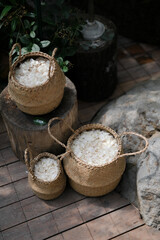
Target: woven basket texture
<point>93,180</point>
<point>46,190</point>
<point>40,99</point>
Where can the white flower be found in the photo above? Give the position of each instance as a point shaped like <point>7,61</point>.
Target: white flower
<point>95,147</point>
<point>46,169</point>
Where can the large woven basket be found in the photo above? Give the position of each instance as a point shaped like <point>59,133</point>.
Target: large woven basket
<point>92,180</point>
<point>40,99</point>
<point>45,190</point>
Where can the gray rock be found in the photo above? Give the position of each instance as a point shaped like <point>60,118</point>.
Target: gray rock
<point>148,183</point>
<point>139,111</point>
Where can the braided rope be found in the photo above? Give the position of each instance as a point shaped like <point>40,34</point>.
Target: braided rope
<point>53,137</point>
<point>138,152</point>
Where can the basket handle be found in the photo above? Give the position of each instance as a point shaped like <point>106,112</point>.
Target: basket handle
<point>27,161</point>
<point>11,52</point>
<point>138,152</point>
<point>53,137</point>
<point>51,60</point>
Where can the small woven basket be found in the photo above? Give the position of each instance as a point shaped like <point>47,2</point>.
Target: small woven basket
<point>40,99</point>
<point>92,180</point>
<point>45,190</point>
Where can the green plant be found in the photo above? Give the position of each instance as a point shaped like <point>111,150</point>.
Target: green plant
<point>21,26</point>
<point>61,28</point>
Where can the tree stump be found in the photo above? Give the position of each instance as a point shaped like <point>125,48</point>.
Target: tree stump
<point>22,129</point>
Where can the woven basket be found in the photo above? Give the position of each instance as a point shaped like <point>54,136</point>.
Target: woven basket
<point>40,99</point>
<point>45,190</point>
<point>92,180</point>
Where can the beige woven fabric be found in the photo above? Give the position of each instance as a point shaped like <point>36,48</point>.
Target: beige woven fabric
<point>40,99</point>
<point>45,190</point>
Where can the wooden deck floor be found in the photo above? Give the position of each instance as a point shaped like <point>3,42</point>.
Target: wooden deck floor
<point>72,216</point>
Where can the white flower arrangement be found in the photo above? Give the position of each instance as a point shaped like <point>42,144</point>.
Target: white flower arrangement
<point>32,72</point>
<point>95,147</point>
<point>46,169</point>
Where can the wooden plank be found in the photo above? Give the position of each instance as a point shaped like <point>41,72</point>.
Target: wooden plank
<point>34,207</point>
<point>113,201</point>
<point>90,208</point>
<point>58,237</point>
<point>43,227</point>
<point>11,216</point>
<point>17,171</point>
<point>143,232</point>
<point>4,176</point>
<point>126,219</point>
<point>7,195</point>
<point>23,189</point>
<point>115,223</point>
<point>8,155</point>
<point>79,233</point>
<point>102,228</point>
<point>67,217</point>
<point>20,232</point>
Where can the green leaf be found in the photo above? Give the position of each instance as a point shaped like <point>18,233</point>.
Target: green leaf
<point>60,60</point>
<point>27,24</point>
<point>35,28</point>
<point>5,10</point>
<point>35,48</point>
<point>65,69</point>
<point>45,43</point>
<point>32,23</point>
<point>25,39</point>
<point>10,42</point>
<point>24,50</point>
<point>13,25</point>
<point>32,34</point>
<point>66,62</point>
<point>39,121</point>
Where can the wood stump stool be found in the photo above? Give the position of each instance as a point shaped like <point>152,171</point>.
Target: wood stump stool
<point>22,129</point>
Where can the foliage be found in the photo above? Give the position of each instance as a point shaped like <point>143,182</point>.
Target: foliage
<point>61,28</point>
<point>21,26</point>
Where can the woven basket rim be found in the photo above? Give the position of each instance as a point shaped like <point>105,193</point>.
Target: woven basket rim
<point>37,158</point>
<point>29,55</point>
<point>88,127</point>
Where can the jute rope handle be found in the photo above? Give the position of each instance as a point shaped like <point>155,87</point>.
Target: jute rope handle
<point>138,152</point>
<point>10,55</point>
<point>53,137</point>
<point>27,161</point>
<point>50,63</point>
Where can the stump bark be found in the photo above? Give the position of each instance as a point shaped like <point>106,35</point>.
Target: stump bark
<point>22,129</point>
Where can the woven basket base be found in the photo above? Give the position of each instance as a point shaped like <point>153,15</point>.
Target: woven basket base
<point>93,191</point>
<point>40,110</point>
<point>50,196</point>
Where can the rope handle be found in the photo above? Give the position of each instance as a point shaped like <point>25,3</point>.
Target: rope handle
<point>11,52</point>
<point>53,137</point>
<point>52,58</point>
<point>27,161</point>
<point>138,152</point>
